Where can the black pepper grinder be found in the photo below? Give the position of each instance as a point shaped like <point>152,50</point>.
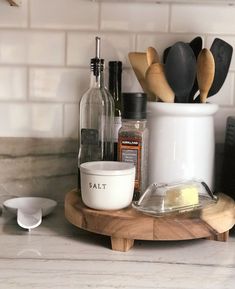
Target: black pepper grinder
<point>133,138</point>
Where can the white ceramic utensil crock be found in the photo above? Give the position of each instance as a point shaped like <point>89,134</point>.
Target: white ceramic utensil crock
<point>182,144</point>
<point>107,185</point>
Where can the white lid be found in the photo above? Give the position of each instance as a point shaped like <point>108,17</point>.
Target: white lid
<point>107,168</point>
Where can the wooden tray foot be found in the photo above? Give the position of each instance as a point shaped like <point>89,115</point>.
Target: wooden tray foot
<point>222,237</point>
<point>121,244</point>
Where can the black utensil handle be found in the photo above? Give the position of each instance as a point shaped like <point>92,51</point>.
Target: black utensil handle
<point>193,91</point>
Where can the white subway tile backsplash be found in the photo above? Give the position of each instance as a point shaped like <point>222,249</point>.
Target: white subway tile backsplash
<point>34,120</point>
<point>13,16</point>
<point>81,47</point>
<point>208,19</point>
<point>32,47</point>
<point>57,84</point>
<point>64,14</point>
<point>134,17</point>
<point>46,47</point>
<point>225,96</point>
<point>71,118</point>
<point>47,119</point>
<point>13,83</point>
<point>130,82</point>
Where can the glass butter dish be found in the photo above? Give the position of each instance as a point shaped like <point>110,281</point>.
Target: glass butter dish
<point>162,199</point>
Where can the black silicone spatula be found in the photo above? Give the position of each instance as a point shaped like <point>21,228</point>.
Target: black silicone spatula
<point>180,70</point>
<point>222,53</point>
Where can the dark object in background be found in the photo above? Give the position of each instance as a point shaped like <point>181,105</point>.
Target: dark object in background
<point>228,170</point>
<point>115,89</point>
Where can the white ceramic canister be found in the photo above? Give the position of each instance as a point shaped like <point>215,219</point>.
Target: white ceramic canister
<point>181,144</point>
<point>107,185</point>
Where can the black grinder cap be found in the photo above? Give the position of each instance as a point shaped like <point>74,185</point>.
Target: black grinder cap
<point>134,105</point>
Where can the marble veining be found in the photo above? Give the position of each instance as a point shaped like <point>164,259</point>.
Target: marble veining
<point>38,167</point>
<point>58,255</point>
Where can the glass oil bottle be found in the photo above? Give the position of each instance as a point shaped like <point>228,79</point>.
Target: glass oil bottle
<point>96,116</point>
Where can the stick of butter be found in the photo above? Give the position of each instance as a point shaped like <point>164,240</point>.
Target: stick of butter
<point>182,196</point>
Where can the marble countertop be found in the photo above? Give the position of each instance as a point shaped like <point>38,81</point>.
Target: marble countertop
<point>58,255</point>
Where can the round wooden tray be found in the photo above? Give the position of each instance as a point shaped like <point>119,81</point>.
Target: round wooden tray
<point>126,225</point>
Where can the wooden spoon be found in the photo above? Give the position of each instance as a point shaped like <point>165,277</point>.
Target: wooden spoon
<point>196,45</point>
<point>152,56</point>
<point>157,83</point>
<point>139,64</point>
<point>222,53</point>
<point>205,72</point>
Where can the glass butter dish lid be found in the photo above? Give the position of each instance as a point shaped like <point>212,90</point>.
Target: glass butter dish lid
<point>162,199</point>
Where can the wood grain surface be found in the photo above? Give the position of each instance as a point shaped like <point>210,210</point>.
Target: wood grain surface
<point>126,225</point>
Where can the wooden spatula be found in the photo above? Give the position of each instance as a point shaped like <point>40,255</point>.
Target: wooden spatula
<point>157,83</point>
<point>205,72</point>
<point>152,56</point>
<point>139,64</point>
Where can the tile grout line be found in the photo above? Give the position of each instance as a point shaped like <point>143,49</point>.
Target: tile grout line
<point>66,49</point>
<point>27,83</point>
<point>63,120</point>
<point>29,14</point>
<point>169,17</point>
<point>99,17</point>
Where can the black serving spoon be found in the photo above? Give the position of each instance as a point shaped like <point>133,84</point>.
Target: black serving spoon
<point>180,70</point>
<point>196,45</point>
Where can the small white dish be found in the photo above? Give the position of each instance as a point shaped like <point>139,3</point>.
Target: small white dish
<point>30,210</point>
<point>107,185</point>
<point>3,198</point>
